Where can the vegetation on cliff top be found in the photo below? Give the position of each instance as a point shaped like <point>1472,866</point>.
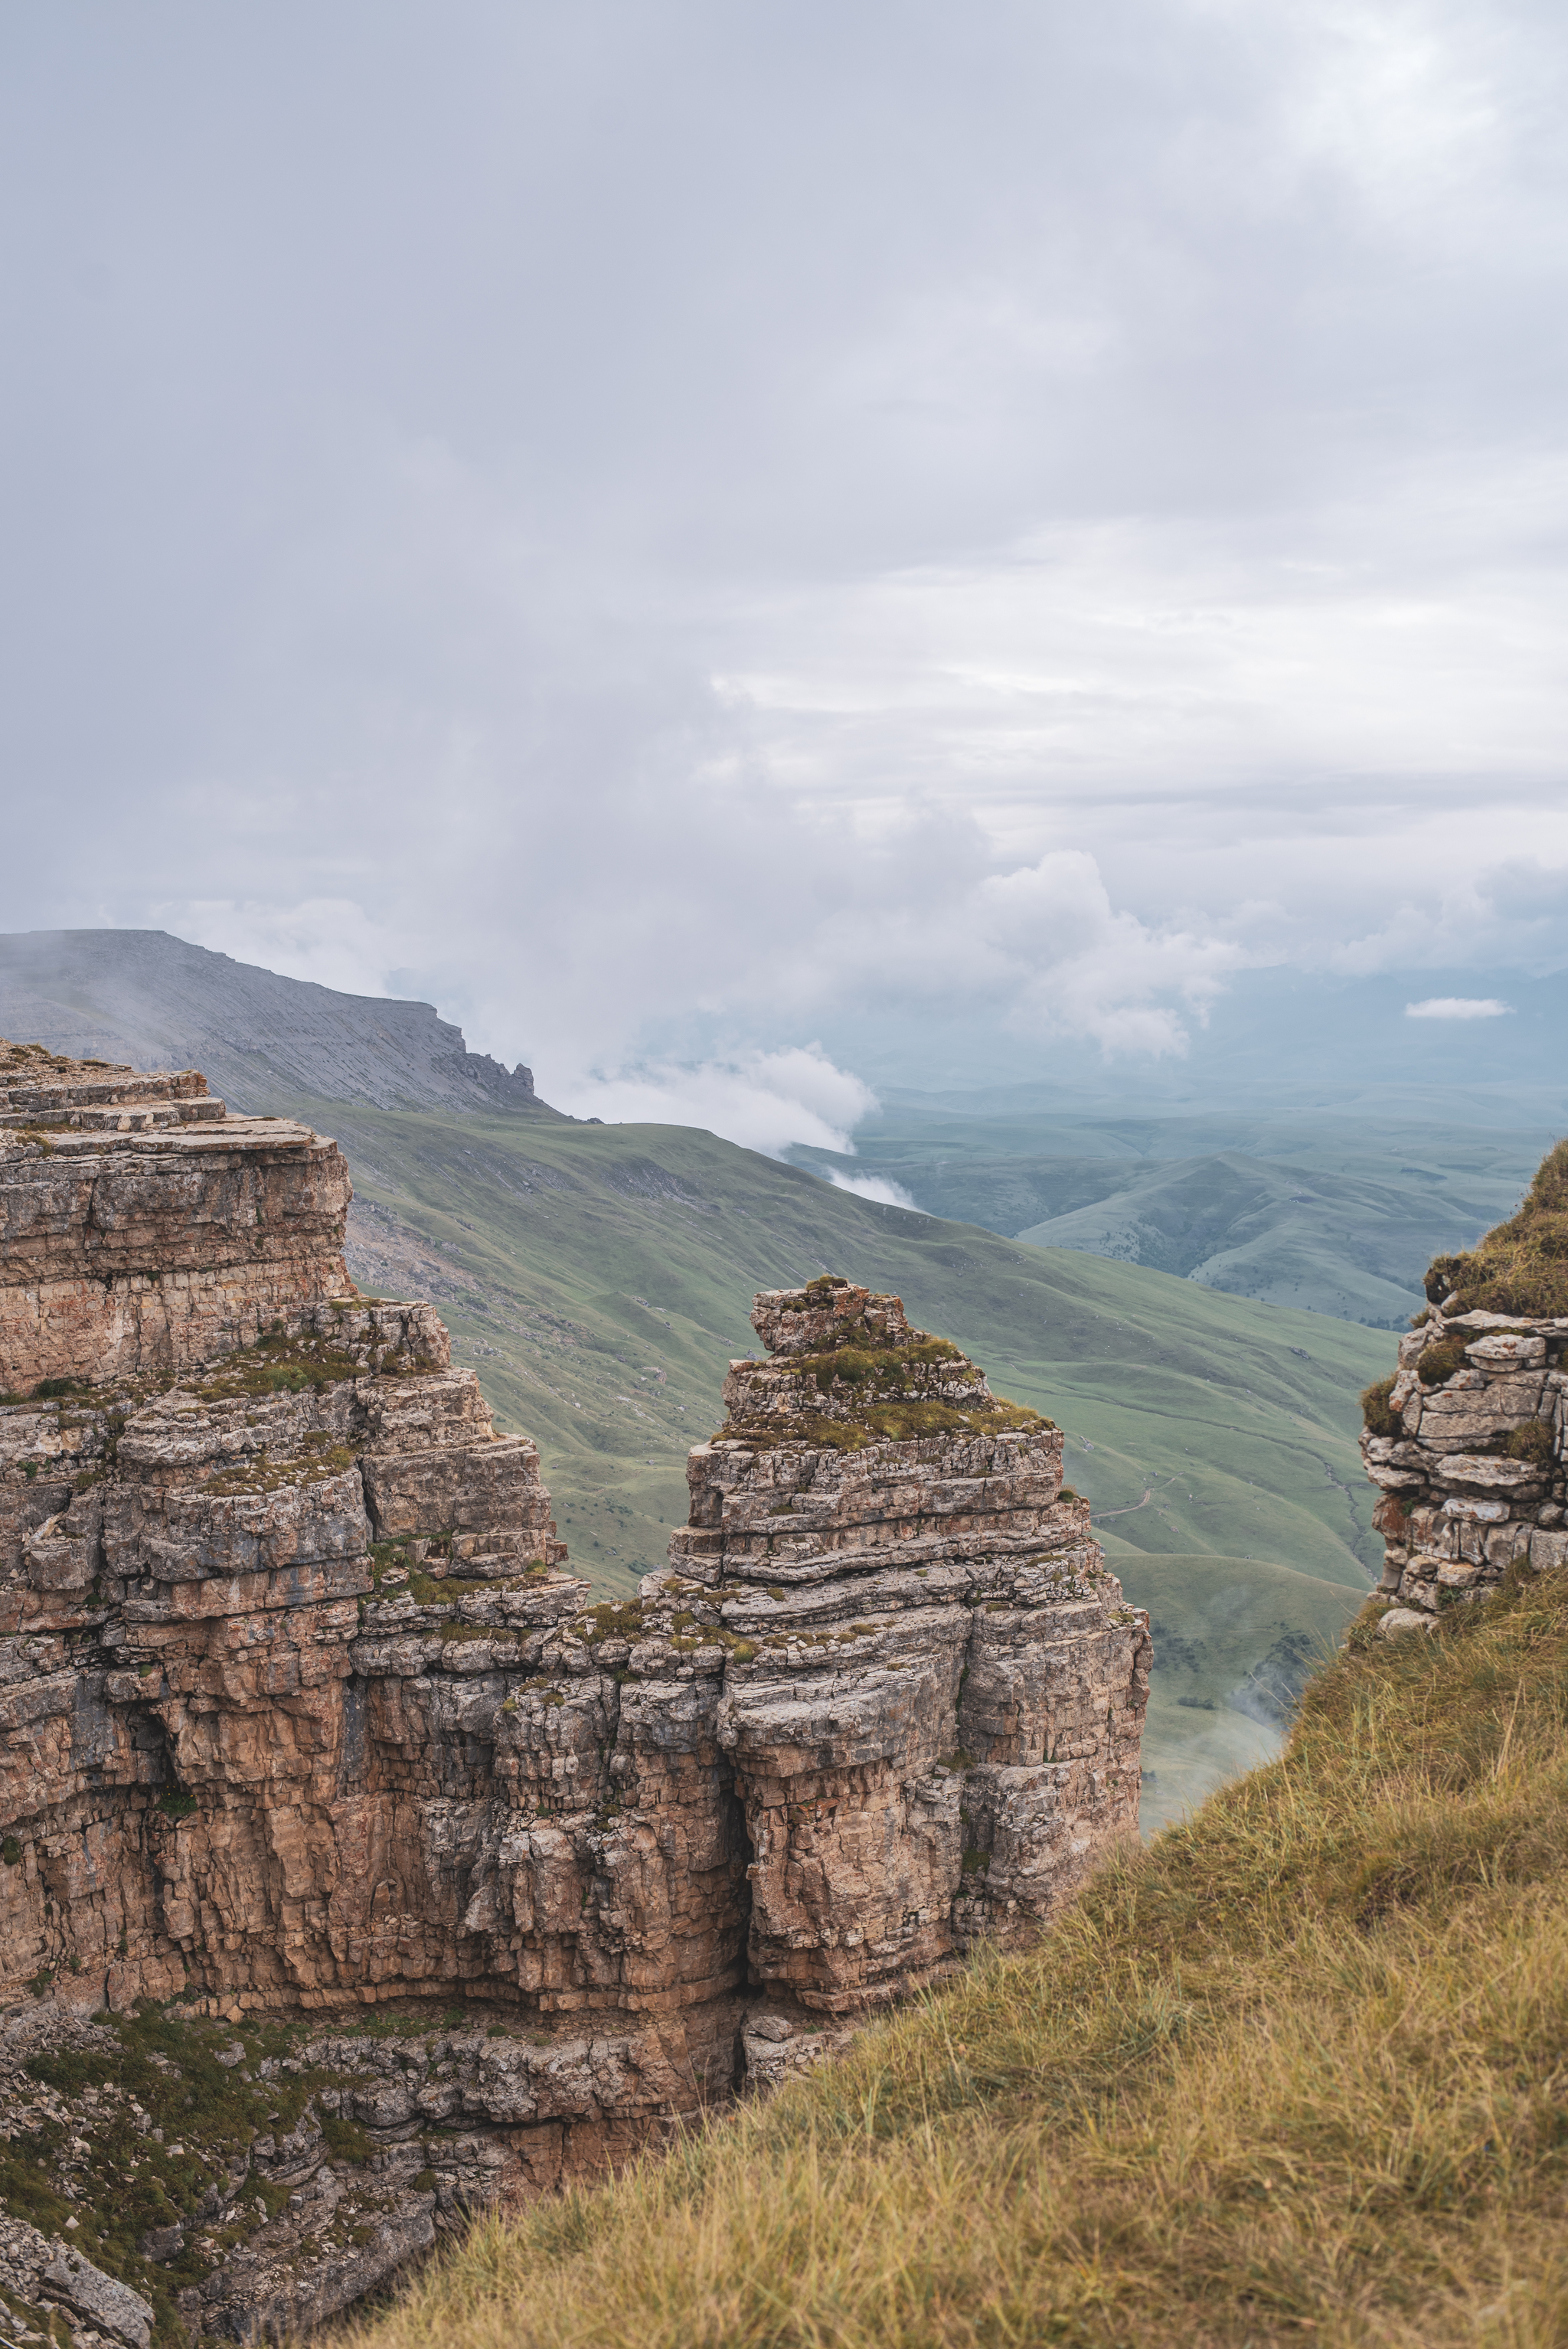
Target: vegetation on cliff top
<point>1521,1266</point>
<point>862,1388</point>
<point>1296,2073</point>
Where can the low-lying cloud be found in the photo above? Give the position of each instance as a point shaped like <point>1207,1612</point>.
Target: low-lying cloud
<point>880,1187</point>
<point>763,1101</point>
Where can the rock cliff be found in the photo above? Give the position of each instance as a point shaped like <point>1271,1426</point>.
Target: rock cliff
<point>1466,1444</point>
<point>310,1742</point>
<point>142,1229</point>
<point>1467,1439</point>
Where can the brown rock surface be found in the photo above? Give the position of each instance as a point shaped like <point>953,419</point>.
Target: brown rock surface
<point>301,1719</point>
<point>933,1694</point>
<point>142,1230</point>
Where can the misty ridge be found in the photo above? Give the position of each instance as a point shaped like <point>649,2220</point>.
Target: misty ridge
<point>1332,1204</point>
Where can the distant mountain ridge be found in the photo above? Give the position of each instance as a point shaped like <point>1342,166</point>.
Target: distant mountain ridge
<point>157,1002</point>
<point>1332,1215</point>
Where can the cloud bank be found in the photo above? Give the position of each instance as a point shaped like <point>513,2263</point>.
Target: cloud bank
<point>880,1187</point>
<point>672,539</point>
<point>763,1101</point>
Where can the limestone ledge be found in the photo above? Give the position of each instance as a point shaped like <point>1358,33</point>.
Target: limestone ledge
<point>319,1720</point>
<point>1475,1482</point>
<point>142,1229</point>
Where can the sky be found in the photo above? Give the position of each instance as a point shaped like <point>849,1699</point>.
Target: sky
<point>719,542</point>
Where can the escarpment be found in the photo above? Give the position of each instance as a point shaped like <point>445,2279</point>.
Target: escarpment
<point>309,1739</point>
<point>142,1229</point>
<point>1466,1440</point>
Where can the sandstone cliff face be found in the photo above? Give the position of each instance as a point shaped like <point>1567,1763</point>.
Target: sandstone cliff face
<point>935,1699</point>
<point>142,1230</point>
<point>301,1719</point>
<point>1469,1458</point>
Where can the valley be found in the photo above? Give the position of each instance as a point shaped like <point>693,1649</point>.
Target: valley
<point>598,1279</point>
<point>1330,1214</point>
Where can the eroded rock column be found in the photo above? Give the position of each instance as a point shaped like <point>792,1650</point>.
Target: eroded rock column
<point>934,1692</point>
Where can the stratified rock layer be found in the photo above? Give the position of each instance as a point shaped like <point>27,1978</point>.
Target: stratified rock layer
<point>300,1716</point>
<point>142,1230</point>
<point>933,1697</point>
<point>1470,1464</point>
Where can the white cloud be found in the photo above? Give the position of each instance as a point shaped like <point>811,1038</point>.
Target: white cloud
<point>331,940</point>
<point>1457,1007</point>
<point>1115,469</point>
<point>763,1101</point>
<point>880,1187</point>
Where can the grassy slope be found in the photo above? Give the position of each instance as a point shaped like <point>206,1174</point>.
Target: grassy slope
<point>1294,2073</point>
<point>600,1277</point>
<point>1331,1215</point>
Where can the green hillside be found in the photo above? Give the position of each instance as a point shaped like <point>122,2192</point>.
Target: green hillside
<point>599,1279</point>
<point>1335,1215</point>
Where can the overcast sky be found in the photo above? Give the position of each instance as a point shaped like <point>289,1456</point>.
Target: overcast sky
<point>670,528</point>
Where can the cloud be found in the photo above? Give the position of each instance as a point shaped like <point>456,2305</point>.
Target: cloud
<point>1085,517</point>
<point>880,1187</point>
<point>1457,1007</point>
<point>331,940</point>
<point>763,1101</point>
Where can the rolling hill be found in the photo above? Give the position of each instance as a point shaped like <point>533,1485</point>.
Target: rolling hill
<point>1334,1215</point>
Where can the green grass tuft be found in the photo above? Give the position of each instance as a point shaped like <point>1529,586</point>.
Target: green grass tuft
<point>1441,1362</point>
<point>1534,1442</point>
<point>1375,1411</point>
<point>1521,1266</point>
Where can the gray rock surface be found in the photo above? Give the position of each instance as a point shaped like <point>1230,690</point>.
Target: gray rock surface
<point>46,2273</point>
<point>1473,1480</point>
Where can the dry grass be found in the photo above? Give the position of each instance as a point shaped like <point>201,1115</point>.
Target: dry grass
<point>1521,1267</point>
<point>1298,2073</point>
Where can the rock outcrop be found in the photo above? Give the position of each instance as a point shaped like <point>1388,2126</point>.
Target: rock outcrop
<point>1466,1444</point>
<point>303,1723</point>
<point>933,1695</point>
<point>143,1230</point>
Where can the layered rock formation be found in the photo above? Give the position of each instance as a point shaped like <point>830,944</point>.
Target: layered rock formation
<point>932,1698</point>
<point>1465,1442</point>
<point>302,1718</point>
<point>143,1230</point>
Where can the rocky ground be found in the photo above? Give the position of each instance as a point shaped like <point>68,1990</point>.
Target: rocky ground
<point>172,2173</point>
